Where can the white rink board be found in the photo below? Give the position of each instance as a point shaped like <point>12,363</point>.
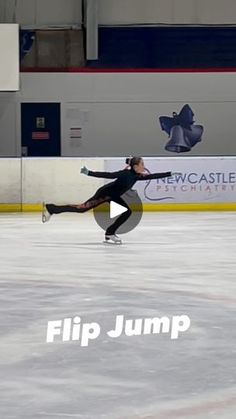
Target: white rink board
<point>200,180</point>
<point>34,180</point>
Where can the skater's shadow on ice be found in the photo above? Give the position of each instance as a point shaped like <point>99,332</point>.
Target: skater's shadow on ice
<point>99,244</point>
<point>69,245</point>
<point>82,245</point>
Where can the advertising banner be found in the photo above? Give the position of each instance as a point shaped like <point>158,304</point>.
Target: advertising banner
<point>198,180</point>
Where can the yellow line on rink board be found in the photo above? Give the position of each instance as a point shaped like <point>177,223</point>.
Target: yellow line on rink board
<point>10,207</point>
<point>209,206</point>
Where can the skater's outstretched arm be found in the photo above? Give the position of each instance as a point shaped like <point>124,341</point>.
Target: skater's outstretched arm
<point>154,176</point>
<point>105,175</point>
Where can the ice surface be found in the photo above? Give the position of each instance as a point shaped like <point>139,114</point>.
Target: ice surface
<point>172,263</point>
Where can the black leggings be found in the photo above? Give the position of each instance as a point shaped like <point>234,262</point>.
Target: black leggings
<point>91,203</point>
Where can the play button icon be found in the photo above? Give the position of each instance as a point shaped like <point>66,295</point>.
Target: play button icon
<point>107,213</point>
<point>116,209</point>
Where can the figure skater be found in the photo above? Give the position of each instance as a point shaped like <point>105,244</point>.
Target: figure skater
<point>112,191</point>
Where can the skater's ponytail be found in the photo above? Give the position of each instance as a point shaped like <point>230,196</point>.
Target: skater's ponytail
<point>132,161</point>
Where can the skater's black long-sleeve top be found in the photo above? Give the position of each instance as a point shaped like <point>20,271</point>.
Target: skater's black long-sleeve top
<point>125,179</point>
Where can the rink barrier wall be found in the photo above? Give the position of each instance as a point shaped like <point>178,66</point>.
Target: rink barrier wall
<point>26,183</point>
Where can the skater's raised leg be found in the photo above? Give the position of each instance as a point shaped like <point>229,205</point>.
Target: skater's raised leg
<point>50,209</point>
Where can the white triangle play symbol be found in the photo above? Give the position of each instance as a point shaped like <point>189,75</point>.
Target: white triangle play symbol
<point>116,209</point>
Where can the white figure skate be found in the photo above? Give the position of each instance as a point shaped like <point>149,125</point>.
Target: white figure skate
<point>112,239</point>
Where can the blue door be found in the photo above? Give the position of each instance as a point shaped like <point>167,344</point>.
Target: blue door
<point>41,129</point>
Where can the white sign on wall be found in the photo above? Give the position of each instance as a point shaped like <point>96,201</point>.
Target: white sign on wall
<point>199,180</point>
<point>9,56</point>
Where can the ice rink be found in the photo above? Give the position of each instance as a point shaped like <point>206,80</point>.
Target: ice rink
<point>171,264</point>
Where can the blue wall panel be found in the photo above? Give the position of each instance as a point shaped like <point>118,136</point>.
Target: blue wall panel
<point>166,47</point>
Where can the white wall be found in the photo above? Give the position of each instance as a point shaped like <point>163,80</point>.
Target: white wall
<point>167,11</point>
<point>128,87</point>
<point>9,53</point>
<point>216,11</point>
<point>148,11</point>
<point>59,12</point>
<point>118,112</point>
<point>41,12</point>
